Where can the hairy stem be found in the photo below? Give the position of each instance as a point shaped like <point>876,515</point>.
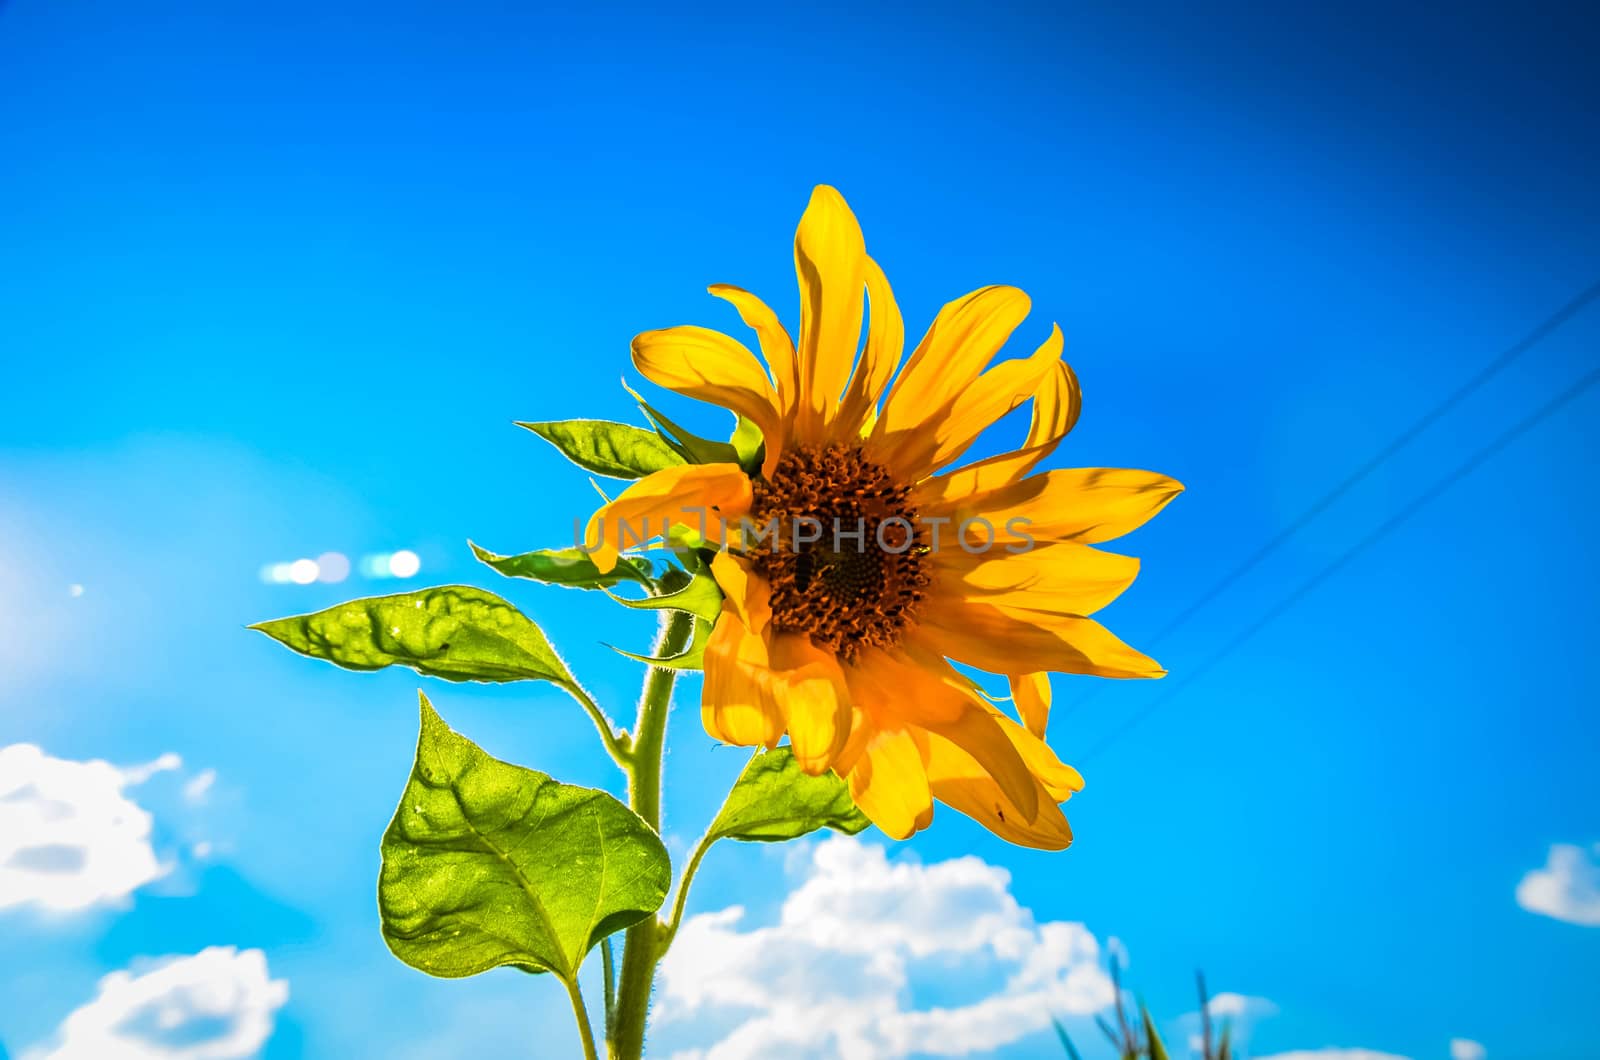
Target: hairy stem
<point>640,949</point>
<point>609,970</point>
<point>582,1013</point>
<point>669,930</point>
<point>616,745</point>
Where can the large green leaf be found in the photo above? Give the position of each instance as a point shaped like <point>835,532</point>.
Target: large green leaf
<point>774,800</point>
<point>487,864</point>
<point>612,449</point>
<point>565,566</point>
<point>455,632</point>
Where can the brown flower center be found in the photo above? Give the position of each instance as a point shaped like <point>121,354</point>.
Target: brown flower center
<point>837,539</point>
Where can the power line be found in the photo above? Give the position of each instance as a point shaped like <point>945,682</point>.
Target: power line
<point>1388,526</point>
<point>1360,474</point>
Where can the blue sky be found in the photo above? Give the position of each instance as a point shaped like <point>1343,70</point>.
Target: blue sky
<point>276,280</point>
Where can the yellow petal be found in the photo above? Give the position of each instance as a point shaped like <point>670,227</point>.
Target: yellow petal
<point>958,781</point>
<point>886,338</point>
<point>736,702</point>
<point>890,785</point>
<point>1055,413</point>
<point>1060,780</point>
<point>1031,694</point>
<point>980,736</point>
<point>943,493</point>
<point>830,263</point>
<point>699,496</point>
<point>964,337</point>
<point>924,691</point>
<point>776,345</point>
<point>895,693</point>
<point>997,392</point>
<point>810,690</point>
<point>1006,640</point>
<point>710,366</point>
<point>1086,505</point>
<point>744,590</point>
<point>1062,576</point>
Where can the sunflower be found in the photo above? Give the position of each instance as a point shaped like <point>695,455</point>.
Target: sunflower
<point>856,566</point>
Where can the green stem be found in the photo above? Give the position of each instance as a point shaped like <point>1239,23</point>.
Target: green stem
<point>640,949</point>
<point>617,746</point>
<point>609,970</point>
<point>582,1012</point>
<point>669,931</point>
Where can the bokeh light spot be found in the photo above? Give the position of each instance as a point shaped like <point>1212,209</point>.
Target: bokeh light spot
<point>405,563</point>
<point>333,567</point>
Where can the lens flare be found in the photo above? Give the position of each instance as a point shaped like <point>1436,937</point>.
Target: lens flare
<point>333,567</point>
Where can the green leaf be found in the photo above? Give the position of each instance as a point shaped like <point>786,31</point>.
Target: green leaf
<point>455,632</point>
<point>1153,1040</point>
<point>690,446</point>
<point>774,800</point>
<point>701,597</point>
<point>1066,1042</point>
<point>613,449</point>
<point>565,566</point>
<point>487,864</point>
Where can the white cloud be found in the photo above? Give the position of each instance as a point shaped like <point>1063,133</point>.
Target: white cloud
<point>1239,1006</point>
<point>196,790</point>
<point>163,764</point>
<point>216,1005</point>
<point>1567,888</point>
<point>1333,1054</point>
<point>69,836</point>
<point>831,978</point>
<point>1466,1049</point>
<point>1240,1012</point>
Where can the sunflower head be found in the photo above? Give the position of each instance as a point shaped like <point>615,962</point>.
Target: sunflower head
<point>858,563</point>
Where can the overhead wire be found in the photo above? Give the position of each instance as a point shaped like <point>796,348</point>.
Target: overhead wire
<point>1502,361</point>
<point>1501,441</point>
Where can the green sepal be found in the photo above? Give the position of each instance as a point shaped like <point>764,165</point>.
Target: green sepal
<point>691,658</point>
<point>455,632</point>
<point>687,444</point>
<point>775,800</point>
<point>701,597</point>
<point>570,567</point>
<point>487,864</point>
<point>749,444</point>
<point>616,450</point>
